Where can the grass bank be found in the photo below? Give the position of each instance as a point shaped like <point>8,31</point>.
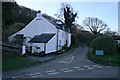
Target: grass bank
<point>11,61</point>
<point>112,60</point>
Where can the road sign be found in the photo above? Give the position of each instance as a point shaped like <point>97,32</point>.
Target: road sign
<point>69,60</point>
<point>99,52</point>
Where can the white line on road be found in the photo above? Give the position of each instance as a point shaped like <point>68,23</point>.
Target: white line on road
<point>53,73</point>
<point>100,67</point>
<point>86,66</point>
<point>76,67</point>
<point>94,65</point>
<point>68,60</point>
<point>68,71</point>
<point>81,69</point>
<point>39,75</point>
<point>17,76</point>
<point>90,68</point>
<point>65,69</point>
<point>13,77</point>
<point>34,76</point>
<point>63,62</point>
<point>108,66</point>
<point>71,59</point>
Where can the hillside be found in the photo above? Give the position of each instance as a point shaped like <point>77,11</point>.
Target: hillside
<point>14,18</point>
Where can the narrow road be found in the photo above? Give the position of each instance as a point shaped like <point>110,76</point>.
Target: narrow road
<point>72,64</point>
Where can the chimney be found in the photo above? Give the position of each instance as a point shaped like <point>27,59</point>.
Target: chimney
<point>39,14</point>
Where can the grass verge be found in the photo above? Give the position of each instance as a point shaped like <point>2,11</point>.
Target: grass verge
<point>11,61</point>
<point>112,60</point>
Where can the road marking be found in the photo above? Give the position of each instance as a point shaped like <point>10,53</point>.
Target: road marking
<point>90,68</point>
<point>31,74</point>
<point>53,73</point>
<point>81,69</point>
<point>86,66</point>
<point>65,69</point>
<point>69,60</point>
<point>68,71</point>
<point>94,65</point>
<point>108,66</point>
<point>100,67</point>
<point>17,76</point>
<point>63,62</point>
<point>34,76</point>
<point>76,67</point>
<point>13,77</point>
<point>39,75</point>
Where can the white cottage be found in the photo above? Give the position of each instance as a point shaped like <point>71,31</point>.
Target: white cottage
<point>42,35</point>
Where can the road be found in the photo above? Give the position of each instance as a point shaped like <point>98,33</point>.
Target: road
<point>73,64</point>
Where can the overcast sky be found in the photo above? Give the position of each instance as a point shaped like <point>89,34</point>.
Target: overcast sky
<point>106,11</point>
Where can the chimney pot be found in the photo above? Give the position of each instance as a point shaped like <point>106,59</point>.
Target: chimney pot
<point>39,11</point>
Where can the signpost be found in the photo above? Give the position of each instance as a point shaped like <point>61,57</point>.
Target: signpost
<point>99,52</point>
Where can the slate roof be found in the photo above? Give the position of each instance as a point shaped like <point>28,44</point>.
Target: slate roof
<point>43,38</point>
<point>116,37</point>
<point>59,26</point>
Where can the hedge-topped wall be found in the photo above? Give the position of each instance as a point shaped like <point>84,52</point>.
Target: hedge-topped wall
<point>105,43</point>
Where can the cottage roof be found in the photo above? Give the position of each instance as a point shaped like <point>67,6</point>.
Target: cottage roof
<point>116,37</point>
<point>58,24</point>
<point>43,38</point>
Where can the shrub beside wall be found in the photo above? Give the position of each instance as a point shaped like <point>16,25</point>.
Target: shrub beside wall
<point>87,39</point>
<point>105,43</point>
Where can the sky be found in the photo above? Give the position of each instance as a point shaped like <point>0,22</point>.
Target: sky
<point>105,11</point>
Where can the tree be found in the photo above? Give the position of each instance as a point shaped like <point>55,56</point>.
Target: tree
<point>69,15</point>
<point>108,32</point>
<point>49,17</point>
<point>95,25</point>
<point>14,18</point>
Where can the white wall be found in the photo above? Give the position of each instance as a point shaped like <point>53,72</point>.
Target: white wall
<point>69,39</point>
<point>26,42</point>
<point>51,46</point>
<point>36,27</point>
<point>34,45</point>
<point>118,41</point>
<point>61,39</point>
<point>23,50</point>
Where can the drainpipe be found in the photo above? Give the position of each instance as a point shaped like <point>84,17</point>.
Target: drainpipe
<point>45,47</point>
<point>57,38</point>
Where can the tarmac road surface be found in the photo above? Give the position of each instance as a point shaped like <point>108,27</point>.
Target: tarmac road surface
<point>70,65</point>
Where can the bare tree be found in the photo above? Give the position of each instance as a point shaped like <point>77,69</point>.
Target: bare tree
<point>111,33</point>
<point>67,14</point>
<point>95,25</point>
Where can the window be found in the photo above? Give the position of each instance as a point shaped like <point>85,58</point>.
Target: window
<point>116,42</point>
<point>59,42</point>
<point>38,19</point>
<point>63,34</point>
<point>37,47</point>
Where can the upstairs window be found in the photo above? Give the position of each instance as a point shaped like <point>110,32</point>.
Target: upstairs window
<point>38,19</point>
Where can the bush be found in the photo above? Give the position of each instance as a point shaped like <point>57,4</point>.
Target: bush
<point>87,39</point>
<point>105,43</point>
